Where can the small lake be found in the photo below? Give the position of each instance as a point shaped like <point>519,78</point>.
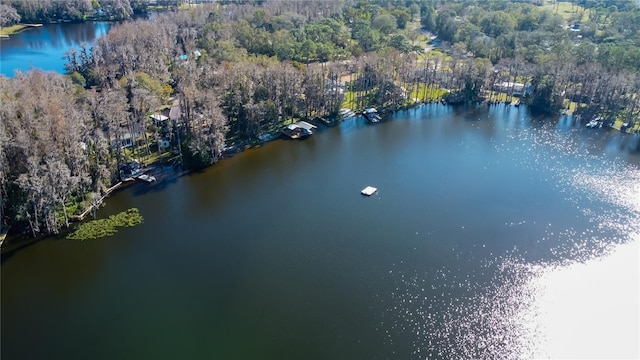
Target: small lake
<point>45,47</point>
<point>493,235</point>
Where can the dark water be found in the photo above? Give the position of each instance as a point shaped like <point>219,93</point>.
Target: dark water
<point>45,47</point>
<point>274,254</point>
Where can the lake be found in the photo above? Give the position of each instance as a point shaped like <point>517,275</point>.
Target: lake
<point>45,47</point>
<point>492,235</point>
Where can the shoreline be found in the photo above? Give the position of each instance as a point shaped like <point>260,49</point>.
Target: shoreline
<point>5,32</point>
<point>97,203</point>
<point>230,152</point>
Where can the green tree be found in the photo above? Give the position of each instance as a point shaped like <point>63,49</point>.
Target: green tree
<point>402,17</point>
<point>544,100</point>
<point>367,37</point>
<point>428,18</point>
<point>384,23</point>
<point>307,50</point>
<point>498,23</point>
<point>400,42</point>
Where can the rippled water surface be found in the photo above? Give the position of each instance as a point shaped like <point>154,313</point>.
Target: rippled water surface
<point>493,235</point>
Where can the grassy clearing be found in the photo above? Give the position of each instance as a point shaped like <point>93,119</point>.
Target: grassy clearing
<point>572,106</point>
<point>95,229</point>
<point>426,93</point>
<point>435,54</point>
<point>350,99</point>
<point>568,10</point>
<point>14,29</point>
<point>422,93</point>
<point>140,153</point>
<point>502,97</point>
<point>619,123</point>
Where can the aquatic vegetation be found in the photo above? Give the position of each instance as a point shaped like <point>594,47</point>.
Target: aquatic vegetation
<point>98,228</point>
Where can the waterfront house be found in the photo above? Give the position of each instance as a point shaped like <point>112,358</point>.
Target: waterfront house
<point>513,88</point>
<point>159,119</point>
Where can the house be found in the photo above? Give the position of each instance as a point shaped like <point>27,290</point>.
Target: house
<point>159,119</point>
<point>126,139</point>
<point>175,113</point>
<point>517,89</point>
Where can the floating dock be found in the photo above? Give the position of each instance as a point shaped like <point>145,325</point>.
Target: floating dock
<point>368,191</point>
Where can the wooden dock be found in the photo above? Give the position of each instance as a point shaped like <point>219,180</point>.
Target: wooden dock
<point>322,120</point>
<point>107,193</point>
<point>3,235</point>
<point>346,113</point>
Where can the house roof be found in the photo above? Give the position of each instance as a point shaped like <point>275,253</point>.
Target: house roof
<point>159,117</point>
<point>175,112</point>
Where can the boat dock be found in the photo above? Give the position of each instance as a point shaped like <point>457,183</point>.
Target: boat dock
<point>97,203</point>
<point>345,113</point>
<point>372,115</point>
<point>320,119</point>
<point>299,130</point>
<point>147,178</point>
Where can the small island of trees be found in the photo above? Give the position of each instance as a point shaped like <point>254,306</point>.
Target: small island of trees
<point>230,74</point>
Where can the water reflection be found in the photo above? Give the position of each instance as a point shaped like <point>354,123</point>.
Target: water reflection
<point>44,47</point>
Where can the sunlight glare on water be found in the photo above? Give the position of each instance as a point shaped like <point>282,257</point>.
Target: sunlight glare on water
<point>591,308</point>
<point>582,302</point>
<point>587,310</point>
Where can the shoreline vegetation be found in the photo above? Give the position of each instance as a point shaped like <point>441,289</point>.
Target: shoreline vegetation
<point>5,32</point>
<point>98,228</point>
<point>214,79</point>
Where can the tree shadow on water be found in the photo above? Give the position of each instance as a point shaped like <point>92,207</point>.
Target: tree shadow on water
<point>165,177</point>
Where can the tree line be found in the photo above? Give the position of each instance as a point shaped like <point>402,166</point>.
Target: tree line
<point>240,71</point>
<point>47,11</point>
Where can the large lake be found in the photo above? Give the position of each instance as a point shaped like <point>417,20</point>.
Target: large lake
<point>493,235</point>
<point>45,47</point>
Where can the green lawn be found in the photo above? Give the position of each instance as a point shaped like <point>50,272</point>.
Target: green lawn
<point>13,29</point>
<point>567,10</point>
<point>573,106</point>
<point>350,98</point>
<point>618,125</point>
<point>426,93</point>
<point>501,97</point>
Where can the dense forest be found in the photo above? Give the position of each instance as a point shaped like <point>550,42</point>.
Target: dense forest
<point>232,74</point>
<point>46,11</point>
